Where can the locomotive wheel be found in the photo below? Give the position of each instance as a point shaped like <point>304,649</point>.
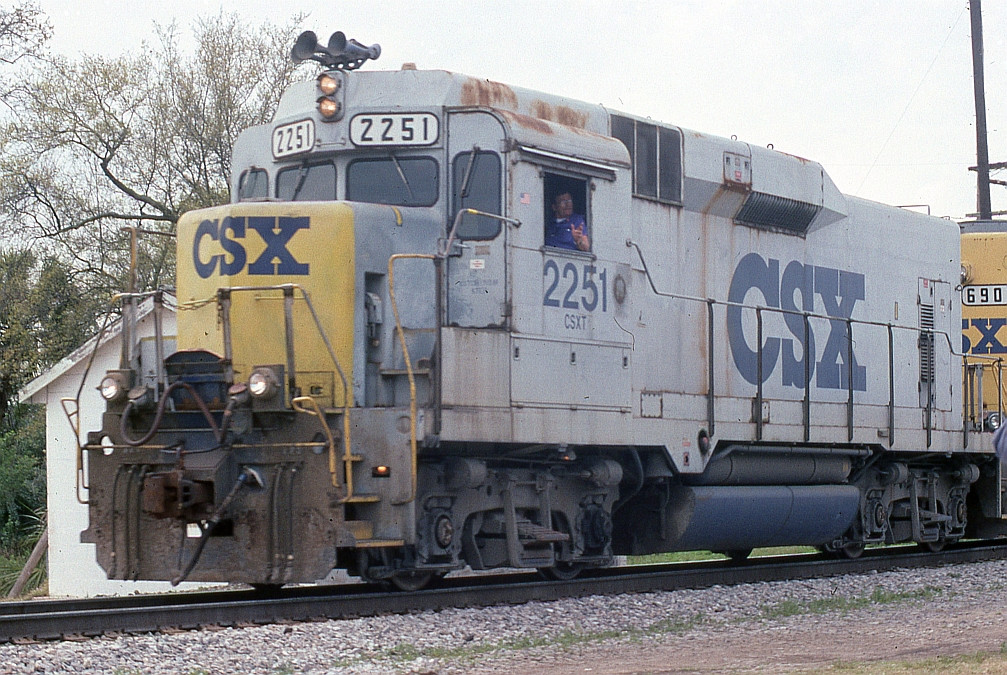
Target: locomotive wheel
<point>738,554</point>
<point>562,571</point>
<point>411,581</point>
<point>851,550</point>
<point>934,546</point>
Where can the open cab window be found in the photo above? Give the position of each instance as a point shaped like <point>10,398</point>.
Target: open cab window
<point>566,214</point>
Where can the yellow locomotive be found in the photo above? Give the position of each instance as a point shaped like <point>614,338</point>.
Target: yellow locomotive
<point>984,316</point>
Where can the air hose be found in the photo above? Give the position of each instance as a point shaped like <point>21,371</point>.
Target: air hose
<point>248,477</point>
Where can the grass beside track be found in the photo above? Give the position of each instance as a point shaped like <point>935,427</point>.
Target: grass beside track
<point>10,569</point>
<point>469,654</point>
<point>965,664</point>
<point>692,556</point>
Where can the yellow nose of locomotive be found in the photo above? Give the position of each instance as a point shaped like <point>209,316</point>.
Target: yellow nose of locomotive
<point>267,286</point>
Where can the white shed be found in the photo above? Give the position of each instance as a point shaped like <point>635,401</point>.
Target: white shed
<point>73,570</point>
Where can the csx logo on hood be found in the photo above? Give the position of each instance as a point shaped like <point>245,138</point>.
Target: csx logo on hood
<point>275,231</point>
<point>838,291</point>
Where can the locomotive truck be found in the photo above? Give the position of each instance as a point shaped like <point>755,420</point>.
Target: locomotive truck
<point>383,367</point>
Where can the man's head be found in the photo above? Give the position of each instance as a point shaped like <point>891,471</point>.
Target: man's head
<point>562,205</point>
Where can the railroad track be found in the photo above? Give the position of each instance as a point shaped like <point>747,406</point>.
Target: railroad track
<point>61,619</point>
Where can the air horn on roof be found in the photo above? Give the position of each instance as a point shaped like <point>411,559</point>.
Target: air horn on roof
<point>339,53</point>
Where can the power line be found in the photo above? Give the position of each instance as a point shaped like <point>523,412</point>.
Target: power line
<point>910,101</point>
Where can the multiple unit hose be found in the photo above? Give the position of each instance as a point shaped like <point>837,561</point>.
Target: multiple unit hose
<point>218,433</point>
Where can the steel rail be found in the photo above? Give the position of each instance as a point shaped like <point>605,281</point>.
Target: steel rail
<point>57,619</point>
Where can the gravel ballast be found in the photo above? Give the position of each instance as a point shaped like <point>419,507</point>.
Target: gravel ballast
<point>751,626</point>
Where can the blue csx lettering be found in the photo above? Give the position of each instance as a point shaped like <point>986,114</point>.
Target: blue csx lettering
<point>275,259</point>
<point>988,342</point>
<point>839,290</point>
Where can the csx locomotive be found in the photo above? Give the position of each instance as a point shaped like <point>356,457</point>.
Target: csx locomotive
<point>384,367</point>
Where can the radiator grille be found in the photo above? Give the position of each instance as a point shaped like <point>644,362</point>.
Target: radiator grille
<point>765,210</point>
<point>926,343</point>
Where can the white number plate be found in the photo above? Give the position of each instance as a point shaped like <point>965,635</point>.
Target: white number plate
<point>293,138</point>
<point>985,294</point>
<point>394,129</point>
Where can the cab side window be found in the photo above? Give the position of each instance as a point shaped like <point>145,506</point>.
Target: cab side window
<point>476,185</point>
<point>253,185</point>
<point>566,216</point>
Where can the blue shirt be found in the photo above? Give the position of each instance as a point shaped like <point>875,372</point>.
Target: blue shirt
<point>557,232</point>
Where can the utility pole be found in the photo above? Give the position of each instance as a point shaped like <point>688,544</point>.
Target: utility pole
<point>982,150</point>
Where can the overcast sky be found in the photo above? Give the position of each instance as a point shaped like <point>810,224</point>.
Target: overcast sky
<point>878,91</point>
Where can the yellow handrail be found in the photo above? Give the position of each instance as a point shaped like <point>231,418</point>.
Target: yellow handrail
<point>328,346</point>
<point>299,404</point>
<point>409,365</point>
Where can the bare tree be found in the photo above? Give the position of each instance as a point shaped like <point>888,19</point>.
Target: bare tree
<point>24,30</point>
<point>137,140</point>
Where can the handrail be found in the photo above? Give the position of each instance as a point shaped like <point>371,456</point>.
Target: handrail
<point>298,405</point>
<point>849,321</point>
<point>409,365</point>
<point>442,254</point>
<point>446,251</point>
<point>74,417</point>
<point>328,345</point>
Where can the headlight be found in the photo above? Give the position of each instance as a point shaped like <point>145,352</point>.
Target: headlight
<point>993,421</point>
<point>262,384</point>
<point>328,107</point>
<point>327,84</point>
<point>112,387</point>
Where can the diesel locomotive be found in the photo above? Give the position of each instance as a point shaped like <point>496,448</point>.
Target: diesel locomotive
<point>385,365</point>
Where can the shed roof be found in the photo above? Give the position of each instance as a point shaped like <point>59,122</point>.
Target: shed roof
<point>82,353</point>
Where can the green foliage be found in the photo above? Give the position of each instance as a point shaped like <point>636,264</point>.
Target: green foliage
<point>22,493</point>
<point>43,316</point>
<point>844,604</point>
<point>22,478</point>
<point>10,570</point>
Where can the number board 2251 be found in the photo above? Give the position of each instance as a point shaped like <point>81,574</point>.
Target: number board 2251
<point>293,138</point>
<point>394,129</point>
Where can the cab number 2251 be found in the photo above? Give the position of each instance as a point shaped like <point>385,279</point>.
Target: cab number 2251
<point>584,288</point>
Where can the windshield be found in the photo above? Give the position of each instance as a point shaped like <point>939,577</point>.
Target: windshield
<point>307,183</point>
<point>397,181</point>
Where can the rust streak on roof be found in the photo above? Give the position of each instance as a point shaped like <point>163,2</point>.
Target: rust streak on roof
<point>560,114</point>
<point>528,122</point>
<point>488,94</point>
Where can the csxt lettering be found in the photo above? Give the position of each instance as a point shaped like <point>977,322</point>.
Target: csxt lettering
<point>229,234</point>
<point>795,290</point>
